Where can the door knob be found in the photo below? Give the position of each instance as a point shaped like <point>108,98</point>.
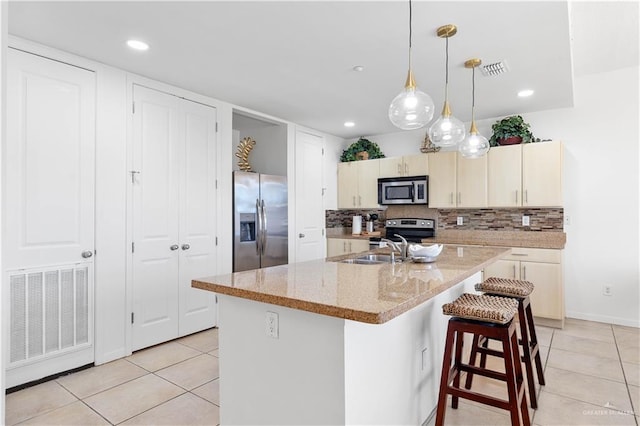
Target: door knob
<point>174,247</point>
<point>87,254</point>
<point>186,247</point>
<point>300,235</point>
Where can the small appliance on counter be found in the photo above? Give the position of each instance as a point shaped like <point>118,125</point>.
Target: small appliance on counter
<point>403,190</point>
<point>356,225</point>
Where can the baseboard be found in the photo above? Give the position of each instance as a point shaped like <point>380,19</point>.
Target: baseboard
<point>604,319</point>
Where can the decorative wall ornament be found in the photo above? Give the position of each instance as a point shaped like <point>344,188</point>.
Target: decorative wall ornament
<point>244,149</point>
<point>428,146</point>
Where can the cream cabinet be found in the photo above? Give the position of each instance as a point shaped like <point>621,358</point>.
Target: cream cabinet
<point>358,184</point>
<point>457,182</point>
<point>409,165</point>
<point>528,175</point>
<point>542,174</point>
<point>442,179</point>
<point>471,177</point>
<point>504,177</point>
<point>542,267</point>
<point>340,246</point>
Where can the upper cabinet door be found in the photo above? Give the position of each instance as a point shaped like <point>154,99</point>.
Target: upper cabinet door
<point>390,167</point>
<point>505,176</point>
<point>368,172</point>
<point>542,174</point>
<point>347,185</point>
<point>442,179</point>
<point>415,165</point>
<point>48,163</point>
<point>472,182</point>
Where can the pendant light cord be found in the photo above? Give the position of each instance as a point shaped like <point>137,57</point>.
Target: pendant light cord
<point>410,31</point>
<point>473,93</point>
<point>446,70</point>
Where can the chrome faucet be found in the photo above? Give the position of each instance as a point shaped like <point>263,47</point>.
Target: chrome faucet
<point>401,247</point>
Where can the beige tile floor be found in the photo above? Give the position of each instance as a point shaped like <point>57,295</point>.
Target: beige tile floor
<point>592,372</point>
<point>175,383</point>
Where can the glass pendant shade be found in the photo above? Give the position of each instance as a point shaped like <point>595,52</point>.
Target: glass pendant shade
<point>412,108</point>
<point>474,145</point>
<point>446,130</point>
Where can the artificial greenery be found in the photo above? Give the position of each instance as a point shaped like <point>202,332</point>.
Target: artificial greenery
<point>362,144</point>
<point>509,127</point>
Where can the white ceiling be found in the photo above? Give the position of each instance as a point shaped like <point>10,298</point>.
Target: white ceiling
<point>294,60</point>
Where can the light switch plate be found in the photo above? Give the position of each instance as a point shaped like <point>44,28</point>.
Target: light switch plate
<point>525,220</point>
<point>460,220</point>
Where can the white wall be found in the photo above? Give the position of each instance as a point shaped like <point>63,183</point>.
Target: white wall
<point>3,326</point>
<point>601,191</point>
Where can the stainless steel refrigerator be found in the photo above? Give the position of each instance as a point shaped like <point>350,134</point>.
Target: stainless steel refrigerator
<point>260,225</point>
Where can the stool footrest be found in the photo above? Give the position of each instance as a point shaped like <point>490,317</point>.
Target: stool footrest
<point>483,372</point>
<point>478,397</point>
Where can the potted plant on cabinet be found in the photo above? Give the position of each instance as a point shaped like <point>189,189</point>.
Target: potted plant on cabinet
<point>362,149</point>
<point>510,131</point>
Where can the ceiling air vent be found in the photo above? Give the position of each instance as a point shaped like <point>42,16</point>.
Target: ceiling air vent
<point>496,68</point>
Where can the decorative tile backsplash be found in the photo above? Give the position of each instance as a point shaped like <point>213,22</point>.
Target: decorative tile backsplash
<point>543,219</point>
<point>343,218</point>
<point>540,219</point>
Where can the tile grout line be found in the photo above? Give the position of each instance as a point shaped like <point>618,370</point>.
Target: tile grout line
<point>634,409</point>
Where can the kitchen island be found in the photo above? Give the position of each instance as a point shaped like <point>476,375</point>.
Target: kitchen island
<point>326,342</point>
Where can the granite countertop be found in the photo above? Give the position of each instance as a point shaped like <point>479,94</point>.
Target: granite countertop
<point>528,239</point>
<point>372,294</point>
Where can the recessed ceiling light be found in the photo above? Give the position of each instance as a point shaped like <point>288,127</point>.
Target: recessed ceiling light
<point>358,68</point>
<point>525,93</point>
<point>137,44</point>
<point>349,124</point>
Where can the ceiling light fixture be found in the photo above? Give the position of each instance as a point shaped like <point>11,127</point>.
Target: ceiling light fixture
<point>446,130</point>
<point>474,145</point>
<point>349,124</point>
<point>525,93</point>
<point>412,108</point>
<point>137,45</point>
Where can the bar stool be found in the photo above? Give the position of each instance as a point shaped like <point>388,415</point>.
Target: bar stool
<point>520,291</point>
<point>489,316</point>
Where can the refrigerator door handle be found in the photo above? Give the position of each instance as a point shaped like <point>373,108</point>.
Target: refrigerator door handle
<point>264,228</point>
<point>258,226</point>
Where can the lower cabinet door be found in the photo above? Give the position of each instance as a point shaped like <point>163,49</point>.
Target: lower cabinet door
<point>547,300</point>
<point>503,269</point>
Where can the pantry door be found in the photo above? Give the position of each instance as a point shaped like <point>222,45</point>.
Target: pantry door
<point>155,179</point>
<point>197,217</point>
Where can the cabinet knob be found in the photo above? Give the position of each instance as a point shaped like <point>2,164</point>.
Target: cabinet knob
<point>174,247</point>
<point>300,235</point>
<point>186,247</point>
<point>87,254</point>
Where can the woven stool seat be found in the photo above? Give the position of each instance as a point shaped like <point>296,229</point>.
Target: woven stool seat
<point>505,287</point>
<point>499,310</point>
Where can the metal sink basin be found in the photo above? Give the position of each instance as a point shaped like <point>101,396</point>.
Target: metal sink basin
<point>369,259</point>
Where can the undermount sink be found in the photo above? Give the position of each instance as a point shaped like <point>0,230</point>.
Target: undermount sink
<point>369,259</point>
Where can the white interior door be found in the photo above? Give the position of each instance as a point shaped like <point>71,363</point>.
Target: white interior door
<point>48,205</point>
<point>197,217</point>
<point>157,132</point>
<point>310,222</point>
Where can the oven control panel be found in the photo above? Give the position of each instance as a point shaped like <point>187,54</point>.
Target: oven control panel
<point>410,223</point>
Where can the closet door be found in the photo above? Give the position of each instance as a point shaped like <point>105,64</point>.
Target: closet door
<point>197,217</point>
<point>157,131</point>
<point>48,227</point>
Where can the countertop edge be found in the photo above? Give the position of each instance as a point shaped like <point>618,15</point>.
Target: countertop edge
<point>345,313</point>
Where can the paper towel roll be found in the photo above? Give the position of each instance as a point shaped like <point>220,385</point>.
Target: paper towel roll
<point>356,226</point>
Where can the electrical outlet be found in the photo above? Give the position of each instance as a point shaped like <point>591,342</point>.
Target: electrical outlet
<point>460,220</point>
<point>272,325</point>
<point>525,220</point>
<point>607,290</point>
<point>567,220</point>
<point>460,252</point>
<point>425,360</point>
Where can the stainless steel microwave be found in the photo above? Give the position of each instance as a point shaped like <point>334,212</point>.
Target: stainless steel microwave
<point>403,190</point>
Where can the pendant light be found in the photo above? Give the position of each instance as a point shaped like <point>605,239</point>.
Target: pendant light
<point>474,145</point>
<point>412,108</point>
<point>446,130</point>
